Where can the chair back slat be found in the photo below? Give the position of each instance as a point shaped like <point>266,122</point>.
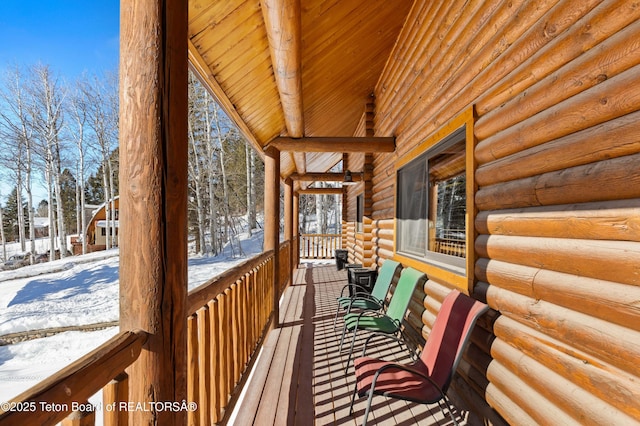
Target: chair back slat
<point>449,336</point>
<point>385,277</point>
<point>403,292</point>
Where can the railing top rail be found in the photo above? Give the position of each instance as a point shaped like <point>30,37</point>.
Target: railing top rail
<point>320,235</point>
<point>201,295</point>
<point>76,382</point>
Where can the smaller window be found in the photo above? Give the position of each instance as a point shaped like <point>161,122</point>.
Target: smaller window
<point>359,213</point>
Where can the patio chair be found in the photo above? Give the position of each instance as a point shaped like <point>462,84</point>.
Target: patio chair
<point>389,322</point>
<point>361,298</point>
<point>427,379</point>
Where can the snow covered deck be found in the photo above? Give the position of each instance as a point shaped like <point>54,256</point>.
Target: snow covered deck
<point>299,378</point>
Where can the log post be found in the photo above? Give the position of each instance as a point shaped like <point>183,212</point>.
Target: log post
<point>295,249</point>
<point>153,208</point>
<point>288,223</point>
<point>272,221</point>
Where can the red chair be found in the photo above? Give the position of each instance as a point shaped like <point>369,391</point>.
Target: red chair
<point>427,379</point>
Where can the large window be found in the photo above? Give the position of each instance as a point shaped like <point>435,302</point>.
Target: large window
<point>431,203</point>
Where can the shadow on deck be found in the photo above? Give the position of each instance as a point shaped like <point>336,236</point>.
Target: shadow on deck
<point>299,378</point>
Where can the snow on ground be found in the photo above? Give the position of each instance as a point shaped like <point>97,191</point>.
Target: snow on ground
<point>78,290</point>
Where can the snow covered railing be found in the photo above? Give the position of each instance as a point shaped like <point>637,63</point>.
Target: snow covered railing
<point>68,391</point>
<point>228,316</point>
<point>319,246</point>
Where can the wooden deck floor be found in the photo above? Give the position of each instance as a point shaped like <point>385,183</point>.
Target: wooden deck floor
<point>299,378</point>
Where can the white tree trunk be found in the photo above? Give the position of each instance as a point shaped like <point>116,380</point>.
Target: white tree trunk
<point>247,155</point>
<point>20,206</point>
<point>4,241</point>
<point>107,207</point>
<point>52,227</point>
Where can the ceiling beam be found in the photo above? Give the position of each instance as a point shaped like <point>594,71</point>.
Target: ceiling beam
<point>324,177</point>
<point>321,191</point>
<point>300,160</point>
<point>283,23</point>
<point>334,144</point>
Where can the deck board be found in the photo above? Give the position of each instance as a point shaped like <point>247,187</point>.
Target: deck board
<point>299,378</point>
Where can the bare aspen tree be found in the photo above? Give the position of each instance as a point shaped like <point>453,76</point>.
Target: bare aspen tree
<point>250,158</point>
<point>47,112</point>
<point>101,121</point>
<point>78,112</point>
<point>211,181</point>
<point>228,232</point>
<point>16,132</point>
<point>112,99</point>
<point>195,168</point>
<point>2,237</point>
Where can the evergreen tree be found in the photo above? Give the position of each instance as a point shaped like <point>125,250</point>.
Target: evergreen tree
<point>43,209</point>
<point>68,195</point>
<point>10,216</point>
<point>94,187</point>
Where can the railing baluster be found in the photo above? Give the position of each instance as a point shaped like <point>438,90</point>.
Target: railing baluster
<point>85,417</point>
<point>319,246</point>
<point>193,381</point>
<point>113,393</point>
<point>236,356</point>
<point>215,364</point>
<point>204,373</point>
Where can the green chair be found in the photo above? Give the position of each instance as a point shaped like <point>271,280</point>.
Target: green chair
<point>389,322</point>
<point>361,298</point>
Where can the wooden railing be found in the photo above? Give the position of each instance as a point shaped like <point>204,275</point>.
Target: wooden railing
<point>319,246</point>
<point>68,391</point>
<point>227,320</point>
<point>285,265</point>
<point>229,317</point>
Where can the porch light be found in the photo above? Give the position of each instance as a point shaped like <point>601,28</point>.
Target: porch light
<point>348,178</point>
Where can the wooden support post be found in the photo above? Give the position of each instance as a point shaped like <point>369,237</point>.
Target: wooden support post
<point>288,223</point>
<point>272,221</point>
<point>295,248</point>
<point>153,207</point>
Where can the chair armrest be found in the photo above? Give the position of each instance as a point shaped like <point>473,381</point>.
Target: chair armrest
<point>367,296</point>
<point>355,287</point>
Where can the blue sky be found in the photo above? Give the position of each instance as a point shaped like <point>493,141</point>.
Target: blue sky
<point>71,36</point>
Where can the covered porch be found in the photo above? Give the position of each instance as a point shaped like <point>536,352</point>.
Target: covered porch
<point>535,104</point>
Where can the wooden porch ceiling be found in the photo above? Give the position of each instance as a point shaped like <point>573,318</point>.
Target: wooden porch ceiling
<point>327,56</point>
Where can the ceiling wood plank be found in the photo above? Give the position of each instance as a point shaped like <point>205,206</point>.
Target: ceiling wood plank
<point>334,144</point>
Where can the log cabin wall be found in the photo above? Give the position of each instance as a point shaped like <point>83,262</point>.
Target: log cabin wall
<point>556,90</point>
<point>359,243</point>
<point>355,163</point>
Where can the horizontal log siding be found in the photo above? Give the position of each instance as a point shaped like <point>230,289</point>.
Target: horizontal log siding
<point>355,164</point>
<point>555,85</point>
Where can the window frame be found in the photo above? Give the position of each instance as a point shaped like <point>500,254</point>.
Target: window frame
<point>360,213</point>
<point>438,265</point>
